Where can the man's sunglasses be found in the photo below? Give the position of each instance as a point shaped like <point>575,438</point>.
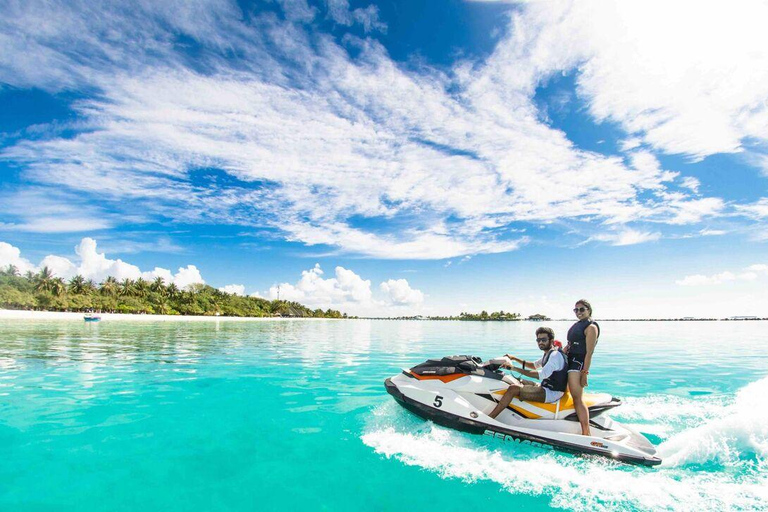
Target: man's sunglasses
<point>579,310</point>
<point>542,340</point>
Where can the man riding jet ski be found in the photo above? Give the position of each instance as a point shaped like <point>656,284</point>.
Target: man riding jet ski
<point>461,392</point>
<point>552,369</point>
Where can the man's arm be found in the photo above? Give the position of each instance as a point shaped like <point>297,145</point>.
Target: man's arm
<point>528,373</point>
<point>521,362</point>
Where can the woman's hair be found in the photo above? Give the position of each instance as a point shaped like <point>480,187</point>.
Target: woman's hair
<point>546,330</point>
<point>586,304</point>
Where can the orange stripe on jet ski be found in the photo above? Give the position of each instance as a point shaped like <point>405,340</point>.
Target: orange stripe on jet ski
<point>523,412</point>
<point>442,378</point>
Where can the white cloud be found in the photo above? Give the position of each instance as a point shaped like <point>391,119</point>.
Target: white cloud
<point>750,273</point>
<point>35,210</point>
<point>656,68</point>
<point>349,292</point>
<point>398,292</point>
<point>312,290</point>
<point>298,10</point>
<point>234,289</point>
<point>368,17</point>
<point>630,143</point>
<point>760,268</point>
<point>185,276</point>
<point>59,266</point>
<point>451,157</point>
<point>628,237</point>
<point>95,265</point>
<point>757,210</point>
<point>58,225</point>
<point>692,211</point>
<point>691,183</point>
<point>10,255</point>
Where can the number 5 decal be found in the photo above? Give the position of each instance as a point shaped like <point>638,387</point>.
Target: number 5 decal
<point>438,401</point>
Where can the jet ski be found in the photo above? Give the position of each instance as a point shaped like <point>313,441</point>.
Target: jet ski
<point>460,391</point>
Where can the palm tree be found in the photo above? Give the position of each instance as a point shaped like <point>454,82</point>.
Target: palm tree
<point>109,286</point>
<point>58,286</point>
<point>158,286</point>
<point>126,287</point>
<point>173,290</point>
<point>162,306</point>
<point>90,286</point>
<point>142,287</point>
<point>11,271</point>
<point>77,284</point>
<point>44,280</point>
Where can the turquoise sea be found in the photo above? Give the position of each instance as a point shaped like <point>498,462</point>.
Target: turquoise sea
<point>289,415</point>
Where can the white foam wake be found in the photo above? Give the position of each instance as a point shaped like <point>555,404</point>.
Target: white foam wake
<point>733,435</point>
<point>738,436</point>
<point>671,410</point>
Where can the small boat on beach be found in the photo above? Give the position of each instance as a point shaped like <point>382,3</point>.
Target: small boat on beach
<point>91,317</point>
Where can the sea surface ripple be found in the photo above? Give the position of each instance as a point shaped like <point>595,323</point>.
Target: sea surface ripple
<point>272,415</point>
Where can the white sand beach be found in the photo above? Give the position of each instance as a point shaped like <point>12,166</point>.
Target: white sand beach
<point>10,314</point>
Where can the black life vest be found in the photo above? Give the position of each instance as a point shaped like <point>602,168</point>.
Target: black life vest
<point>558,381</point>
<point>577,337</point>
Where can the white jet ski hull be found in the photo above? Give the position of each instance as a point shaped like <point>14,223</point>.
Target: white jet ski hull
<point>463,402</point>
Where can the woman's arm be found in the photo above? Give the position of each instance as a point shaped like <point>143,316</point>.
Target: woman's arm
<point>591,334</point>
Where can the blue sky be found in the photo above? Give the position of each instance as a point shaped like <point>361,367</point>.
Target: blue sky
<point>394,157</point>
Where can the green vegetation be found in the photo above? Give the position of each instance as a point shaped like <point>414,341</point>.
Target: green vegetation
<point>43,291</point>
<point>538,318</point>
<point>483,316</point>
<point>496,316</point>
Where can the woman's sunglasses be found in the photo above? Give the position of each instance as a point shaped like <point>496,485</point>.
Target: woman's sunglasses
<point>579,310</point>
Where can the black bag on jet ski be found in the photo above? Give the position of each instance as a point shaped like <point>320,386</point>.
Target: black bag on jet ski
<point>447,365</point>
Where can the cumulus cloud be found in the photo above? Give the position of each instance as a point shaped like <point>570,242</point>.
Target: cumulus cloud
<point>10,255</point>
<point>313,290</point>
<point>349,292</point>
<point>321,140</point>
<point>95,265</point>
<point>186,276</point>
<point>234,289</point>
<point>398,292</point>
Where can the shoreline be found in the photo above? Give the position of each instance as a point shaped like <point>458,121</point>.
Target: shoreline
<point>17,314</point>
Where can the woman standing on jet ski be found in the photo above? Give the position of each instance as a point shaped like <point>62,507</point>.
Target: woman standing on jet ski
<point>582,339</point>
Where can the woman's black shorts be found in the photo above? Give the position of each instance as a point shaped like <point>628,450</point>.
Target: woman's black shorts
<point>575,362</point>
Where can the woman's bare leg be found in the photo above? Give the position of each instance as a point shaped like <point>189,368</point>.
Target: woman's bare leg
<point>574,386</point>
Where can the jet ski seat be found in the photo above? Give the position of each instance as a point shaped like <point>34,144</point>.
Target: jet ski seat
<point>597,403</point>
